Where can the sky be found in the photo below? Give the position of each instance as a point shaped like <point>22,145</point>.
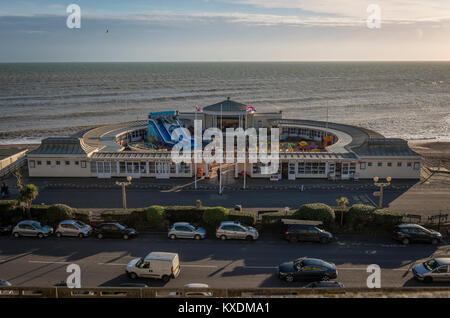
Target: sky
<point>224,30</point>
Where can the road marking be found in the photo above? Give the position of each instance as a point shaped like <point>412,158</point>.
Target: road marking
<point>365,268</point>
<point>49,262</point>
<point>18,255</point>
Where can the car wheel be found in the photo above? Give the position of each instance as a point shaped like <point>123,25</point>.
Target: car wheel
<point>165,278</point>
<point>132,275</point>
<point>58,234</point>
<point>249,238</point>
<point>126,237</point>
<point>289,278</point>
<point>99,236</point>
<point>434,241</point>
<point>81,235</point>
<point>197,237</point>
<point>172,237</point>
<point>428,280</point>
<point>15,234</point>
<point>405,241</point>
<point>40,235</point>
<point>223,237</point>
<point>292,239</point>
<point>325,278</point>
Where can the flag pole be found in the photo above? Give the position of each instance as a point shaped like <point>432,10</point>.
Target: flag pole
<point>220,162</point>
<point>195,153</point>
<point>245,151</point>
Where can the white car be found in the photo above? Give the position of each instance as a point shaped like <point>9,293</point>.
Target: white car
<point>435,269</point>
<point>194,292</point>
<point>158,265</point>
<point>73,228</point>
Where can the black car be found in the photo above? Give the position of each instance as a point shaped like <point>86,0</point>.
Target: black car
<point>409,233</point>
<point>306,233</point>
<point>324,285</point>
<point>5,229</point>
<point>114,230</point>
<point>309,269</point>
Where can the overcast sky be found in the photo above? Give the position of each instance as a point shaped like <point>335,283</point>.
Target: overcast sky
<point>224,30</point>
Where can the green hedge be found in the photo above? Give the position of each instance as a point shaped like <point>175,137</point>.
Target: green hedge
<point>190,214</point>
<point>155,216</point>
<point>10,213</point>
<point>242,217</point>
<point>359,216</point>
<point>213,216</point>
<point>271,222</point>
<point>134,217</point>
<point>316,212</point>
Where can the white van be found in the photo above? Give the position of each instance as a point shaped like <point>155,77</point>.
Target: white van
<point>158,265</point>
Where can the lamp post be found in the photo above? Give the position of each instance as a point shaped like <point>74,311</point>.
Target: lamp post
<point>381,185</point>
<point>124,194</point>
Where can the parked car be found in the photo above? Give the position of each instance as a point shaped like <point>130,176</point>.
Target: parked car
<point>5,229</point>
<point>186,230</point>
<point>235,230</point>
<point>136,285</point>
<point>194,293</point>
<point>158,265</point>
<point>307,269</point>
<point>114,230</point>
<point>73,228</point>
<point>305,233</point>
<point>323,284</point>
<point>5,283</point>
<point>435,269</point>
<point>31,228</point>
<point>410,233</point>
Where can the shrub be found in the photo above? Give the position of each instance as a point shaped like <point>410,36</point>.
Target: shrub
<point>57,213</point>
<point>40,213</point>
<point>82,215</point>
<point>359,215</point>
<point>386,220</point>
<point>213,216</point>
<point>242,217</point>
<point>155,216</point>
<point>190,214</point>
<point>316,212</point>
<point>198,204</point>
<point>10,213</point>
<point>135,217</point>
<point>272,221</point>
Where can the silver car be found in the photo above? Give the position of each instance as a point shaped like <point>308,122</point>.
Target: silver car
<point>186,230</point>
<point>31,228</point>
<point>73,228</point>
<point>235,230</point>
<point>435,269</point>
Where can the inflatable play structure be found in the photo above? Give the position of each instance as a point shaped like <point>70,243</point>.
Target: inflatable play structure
<point>161,126</point>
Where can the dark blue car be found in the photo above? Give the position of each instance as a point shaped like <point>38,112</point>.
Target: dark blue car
<point>307,269</point>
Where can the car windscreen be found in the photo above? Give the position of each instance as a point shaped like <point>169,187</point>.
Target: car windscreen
<point>79,223</point>
<point>431,264</point>
<point>120,226</point>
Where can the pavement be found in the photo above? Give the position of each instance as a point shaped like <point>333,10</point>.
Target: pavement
<point>228,264</point>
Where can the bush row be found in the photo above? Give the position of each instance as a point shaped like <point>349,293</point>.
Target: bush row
<point>359,218</point>
<point>11,213</point>
<point>159,217</point>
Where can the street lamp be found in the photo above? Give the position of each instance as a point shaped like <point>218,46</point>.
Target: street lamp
<point>124,194</point>
<point>381,185</point>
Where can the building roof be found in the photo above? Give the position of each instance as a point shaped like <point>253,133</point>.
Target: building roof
<point>226,106</point>
<point>63,146</point>
<point>385,147</point>
<point>8,152</point>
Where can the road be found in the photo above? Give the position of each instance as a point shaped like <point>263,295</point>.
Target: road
<point>112,198</point>
<point>229,264</point>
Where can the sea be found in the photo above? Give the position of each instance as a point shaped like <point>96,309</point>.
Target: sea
<point>409,100</point>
